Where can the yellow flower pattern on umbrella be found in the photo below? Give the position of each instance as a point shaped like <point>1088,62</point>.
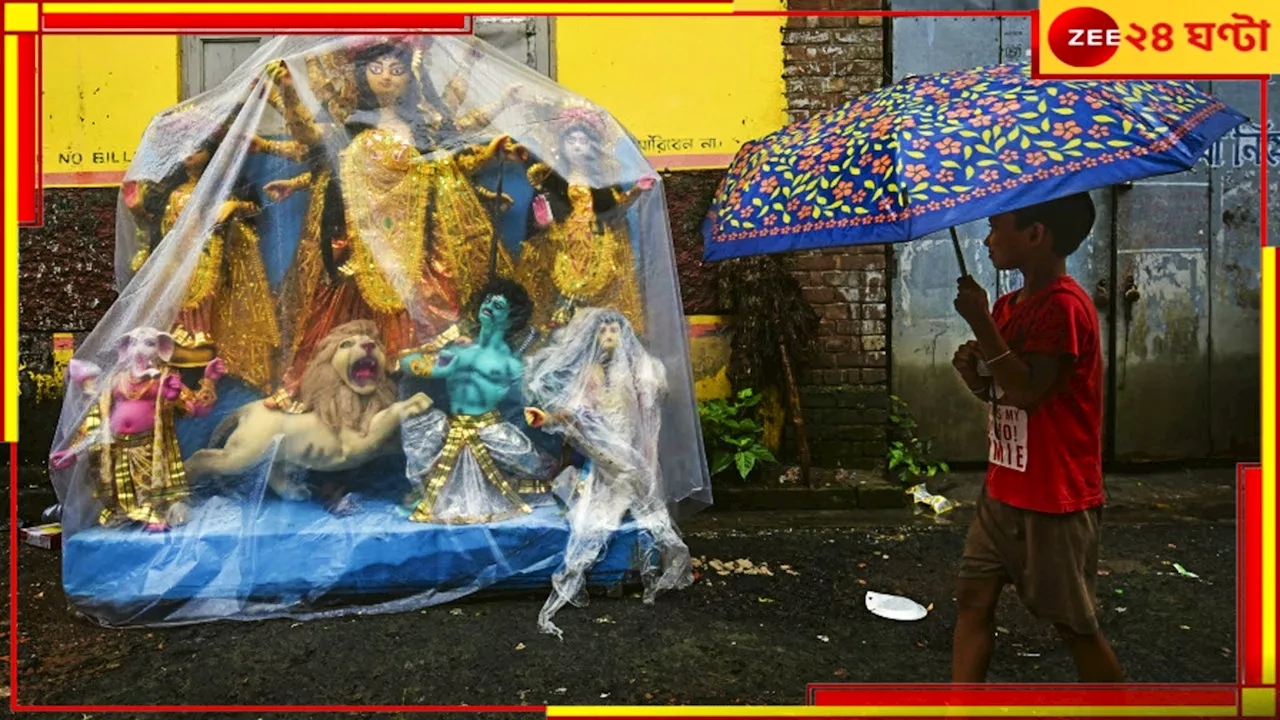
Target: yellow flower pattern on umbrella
<point>938,150</point>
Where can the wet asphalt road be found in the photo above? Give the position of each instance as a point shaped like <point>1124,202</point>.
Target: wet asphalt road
<point>736,638</point>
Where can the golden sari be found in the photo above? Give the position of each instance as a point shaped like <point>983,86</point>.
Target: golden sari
<point>580,261</point>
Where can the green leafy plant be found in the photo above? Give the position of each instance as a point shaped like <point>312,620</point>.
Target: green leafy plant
<point>732,433</point>
<point>910,455</point>
<point>774,333</point>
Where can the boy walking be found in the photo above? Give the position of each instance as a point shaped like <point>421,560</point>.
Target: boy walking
<point>1038,521</point>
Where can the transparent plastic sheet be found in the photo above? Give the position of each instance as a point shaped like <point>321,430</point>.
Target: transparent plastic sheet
<point>309,398</point>
<point>597,386</point>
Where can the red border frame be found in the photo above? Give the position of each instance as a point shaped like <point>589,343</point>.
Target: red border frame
<point>1249,511</point>
<point>30,207</point>
<point>1249,572</point>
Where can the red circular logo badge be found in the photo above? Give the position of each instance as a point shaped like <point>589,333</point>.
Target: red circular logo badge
<point>1084,37</point>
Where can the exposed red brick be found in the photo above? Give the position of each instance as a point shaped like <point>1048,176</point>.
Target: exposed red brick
<point>838,344</point>
<point>808,68</point>
<point>869,37</point>
<point>860,262</point>
<point>850,359</point>
<point>816,262</point>
<point>806,37</point>
<point>835,312</point>
<point>819,296</point>
<point>799,53</point>
<point>851,291</point>
<point>866,69</point>
<point>835,278</point>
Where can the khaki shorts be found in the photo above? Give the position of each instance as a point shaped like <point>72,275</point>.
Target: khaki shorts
<point>1052,560</point>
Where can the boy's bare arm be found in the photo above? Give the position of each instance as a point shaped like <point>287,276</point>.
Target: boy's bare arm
<point>1026,380</point>
<point>1046,374</point>
<point>965,361</point>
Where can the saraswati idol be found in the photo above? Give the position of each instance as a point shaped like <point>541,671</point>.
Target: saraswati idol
<point>578,252</point>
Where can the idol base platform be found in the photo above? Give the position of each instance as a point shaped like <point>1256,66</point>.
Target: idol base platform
<point>281,558</point>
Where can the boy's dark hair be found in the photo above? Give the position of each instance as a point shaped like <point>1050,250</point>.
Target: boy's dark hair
<point>1068,220</point>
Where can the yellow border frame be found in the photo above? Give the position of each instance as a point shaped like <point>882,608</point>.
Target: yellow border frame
<point>11,232</point>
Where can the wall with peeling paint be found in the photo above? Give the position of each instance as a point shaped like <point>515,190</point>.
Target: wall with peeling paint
<point>1235,272</point>
<point>1182,350</point>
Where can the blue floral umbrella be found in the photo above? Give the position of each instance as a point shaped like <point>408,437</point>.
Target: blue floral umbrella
<point>936,151</point>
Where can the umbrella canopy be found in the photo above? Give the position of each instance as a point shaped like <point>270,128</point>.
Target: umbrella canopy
<point>939,150</point>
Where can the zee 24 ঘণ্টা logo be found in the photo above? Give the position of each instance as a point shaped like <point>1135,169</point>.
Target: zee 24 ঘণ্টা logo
<point>1087,37</point>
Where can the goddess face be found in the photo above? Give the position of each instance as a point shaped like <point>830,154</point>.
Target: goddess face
<point>388,78</point>
<point>608,336</point>
<point>578,147</point>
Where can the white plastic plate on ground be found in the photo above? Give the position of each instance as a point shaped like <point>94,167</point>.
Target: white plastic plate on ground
<point>895,607</point>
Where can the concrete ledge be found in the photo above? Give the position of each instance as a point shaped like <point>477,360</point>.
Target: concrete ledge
<point>765,499</point>
<point>882,495</point>
<point>869,495</point>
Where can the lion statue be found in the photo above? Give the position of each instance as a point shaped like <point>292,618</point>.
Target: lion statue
<point>344,415</point>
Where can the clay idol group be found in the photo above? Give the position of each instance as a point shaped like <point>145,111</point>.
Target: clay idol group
<point>406,323</point>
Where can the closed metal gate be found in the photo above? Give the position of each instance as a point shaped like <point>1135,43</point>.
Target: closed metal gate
<point>1173,263</point>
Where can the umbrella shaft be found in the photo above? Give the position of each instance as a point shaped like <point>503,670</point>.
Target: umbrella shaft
<point>955,242</point>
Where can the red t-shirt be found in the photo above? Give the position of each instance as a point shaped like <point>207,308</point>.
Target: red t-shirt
<point>1049,459</point>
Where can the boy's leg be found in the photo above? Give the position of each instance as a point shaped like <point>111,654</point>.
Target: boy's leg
<point>1095,661</point>
<point>983,574</point>
<point>1062,569</point>
<point>975,636</point>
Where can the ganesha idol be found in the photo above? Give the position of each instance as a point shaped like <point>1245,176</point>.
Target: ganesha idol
<point>128,432</point>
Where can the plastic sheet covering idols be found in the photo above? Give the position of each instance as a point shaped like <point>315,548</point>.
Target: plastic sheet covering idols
<point>398,321</point>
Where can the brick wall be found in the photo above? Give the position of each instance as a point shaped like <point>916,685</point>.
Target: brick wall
<point>689,194</point>
<point>829,61</point>
<point>65,284</point>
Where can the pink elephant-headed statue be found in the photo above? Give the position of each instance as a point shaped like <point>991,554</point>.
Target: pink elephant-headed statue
<point>137,468</point>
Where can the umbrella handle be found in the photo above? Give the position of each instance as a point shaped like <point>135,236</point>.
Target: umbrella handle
<point>955,242</point>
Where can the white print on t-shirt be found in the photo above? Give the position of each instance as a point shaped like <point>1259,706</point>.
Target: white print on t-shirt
<point>1007,433</point>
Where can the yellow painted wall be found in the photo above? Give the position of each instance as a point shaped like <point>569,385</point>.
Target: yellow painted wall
<point>691,89</point>
<point>99,94</point>
<point>683,86</point>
